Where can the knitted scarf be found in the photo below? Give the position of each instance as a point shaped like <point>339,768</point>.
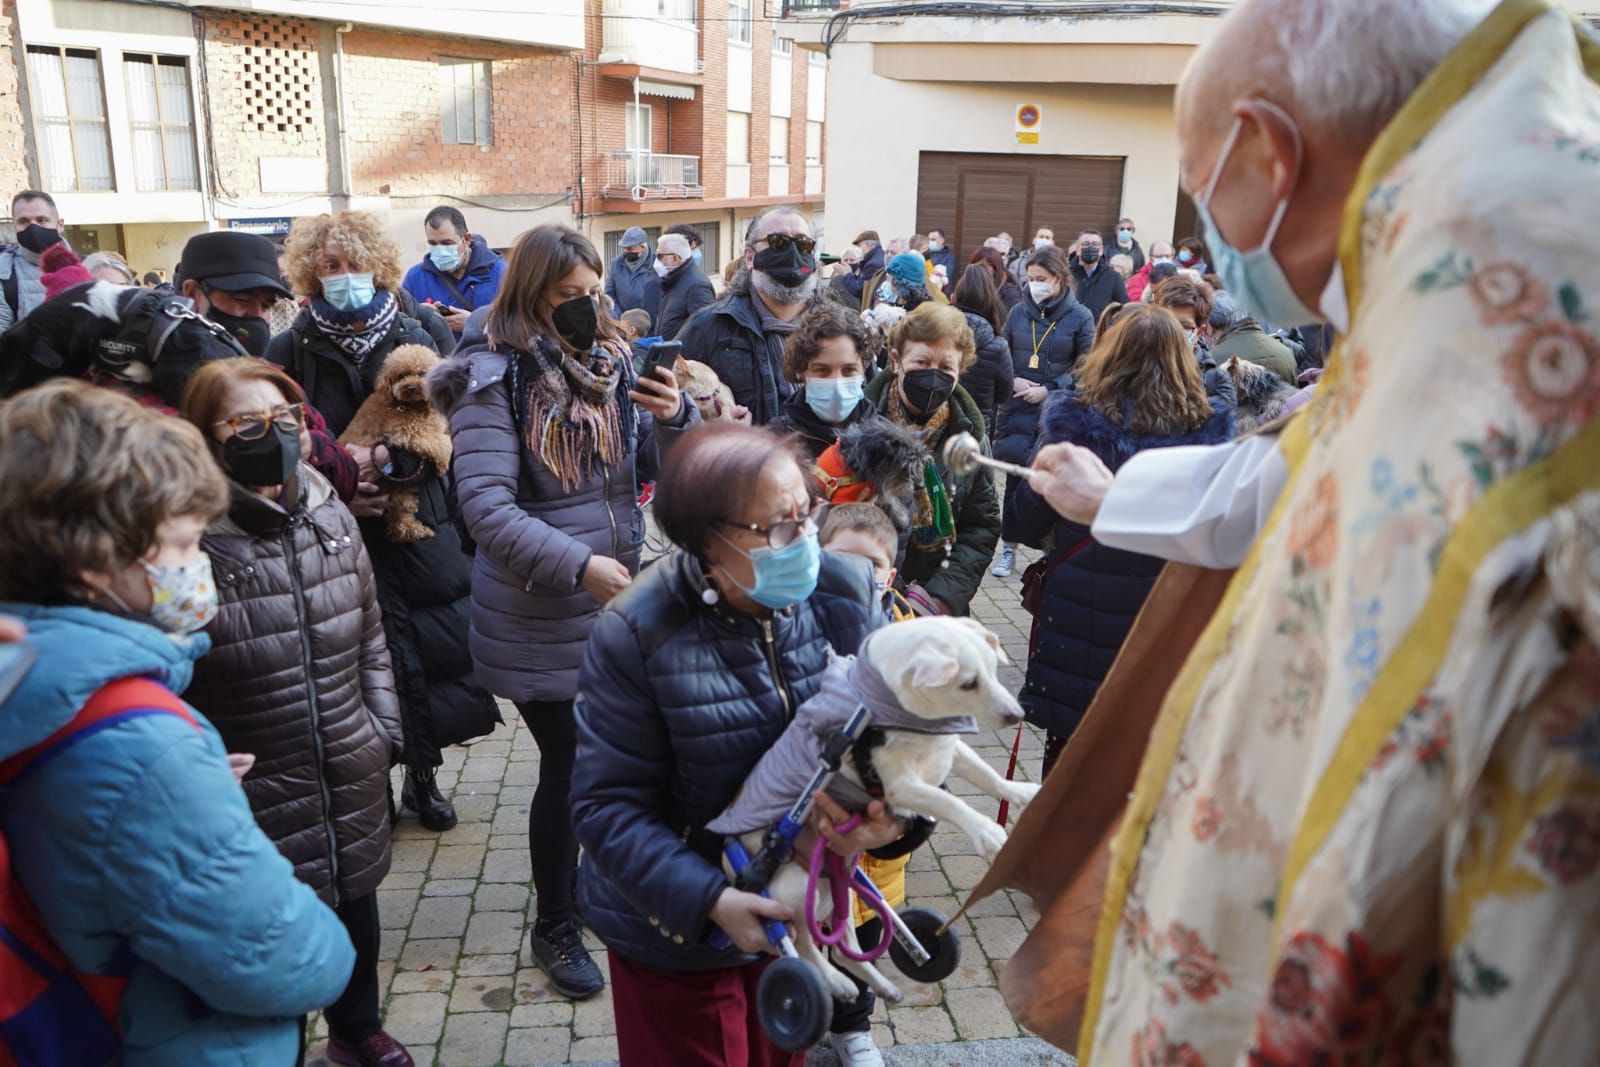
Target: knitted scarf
<point>933,521</point>
<point>573,424</point>
<point>358,331</point>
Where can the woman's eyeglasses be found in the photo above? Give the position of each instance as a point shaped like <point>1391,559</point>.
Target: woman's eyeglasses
<point>780,241</point>
<point>785,533</point>
<point>253,426</point>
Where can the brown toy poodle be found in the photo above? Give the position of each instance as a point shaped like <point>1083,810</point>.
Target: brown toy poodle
<point>397,415</point>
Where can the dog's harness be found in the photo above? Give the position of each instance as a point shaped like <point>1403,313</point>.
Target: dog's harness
<point>848,718</point>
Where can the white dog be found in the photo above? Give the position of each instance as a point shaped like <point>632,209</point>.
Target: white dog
<point>926,681</point>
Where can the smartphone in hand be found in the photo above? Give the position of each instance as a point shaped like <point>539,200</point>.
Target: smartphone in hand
<point>662,356</point>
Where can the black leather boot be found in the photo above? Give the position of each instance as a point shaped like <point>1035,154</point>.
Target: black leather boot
<point>420,794</point>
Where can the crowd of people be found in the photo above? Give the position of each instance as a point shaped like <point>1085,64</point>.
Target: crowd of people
<point>326,642</point>
<point>342,507</point>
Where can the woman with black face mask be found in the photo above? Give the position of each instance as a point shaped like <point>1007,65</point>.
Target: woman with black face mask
<point>955,521</point>
<point>298,675</point>
<point>553,433</point>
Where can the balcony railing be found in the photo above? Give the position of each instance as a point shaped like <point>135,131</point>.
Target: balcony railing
<point>802,8</point>
<point>647,176</point>
<point>653,33</point>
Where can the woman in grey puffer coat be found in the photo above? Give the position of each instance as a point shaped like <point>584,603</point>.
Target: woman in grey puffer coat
<point>552,433</point>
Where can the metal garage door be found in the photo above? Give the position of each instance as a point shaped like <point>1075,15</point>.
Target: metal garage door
<point>974,195</point>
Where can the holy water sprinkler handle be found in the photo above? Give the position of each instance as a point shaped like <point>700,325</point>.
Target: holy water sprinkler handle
<point>963,454</point>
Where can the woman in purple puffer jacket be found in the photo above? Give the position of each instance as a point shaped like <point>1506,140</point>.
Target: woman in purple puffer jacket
<point>552,434</point>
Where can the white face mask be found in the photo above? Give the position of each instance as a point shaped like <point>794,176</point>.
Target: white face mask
<point>1043,242</point>
<point>1041,291</point>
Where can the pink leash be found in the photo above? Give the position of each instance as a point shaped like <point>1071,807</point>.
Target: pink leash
<point>1011,774</point>
<point>823,858</point>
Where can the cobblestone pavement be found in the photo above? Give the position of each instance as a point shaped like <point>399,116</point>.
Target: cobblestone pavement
<point>461,986</point>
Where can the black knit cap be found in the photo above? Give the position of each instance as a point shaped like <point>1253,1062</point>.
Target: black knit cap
<point>232,261</point>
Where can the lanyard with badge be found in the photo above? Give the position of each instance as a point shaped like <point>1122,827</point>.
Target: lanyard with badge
<point>1033,332</point>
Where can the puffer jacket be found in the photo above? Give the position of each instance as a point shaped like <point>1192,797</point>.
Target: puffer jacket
<point>1046,343</point>
<point>1092,595</point>
<point>680,700</point>
<point>988,381</point>
<point>953,576</point>
<point>530,612</point>
<point>142,857</point>
<point>19,272</point>
<point>423,586</point>
<point>298,675</point>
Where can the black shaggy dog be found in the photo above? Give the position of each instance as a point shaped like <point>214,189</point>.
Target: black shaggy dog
<point>891,458</point>
<point>145,340</point>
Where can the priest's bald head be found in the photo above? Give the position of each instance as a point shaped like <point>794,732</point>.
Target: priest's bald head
<point>1275,115</point>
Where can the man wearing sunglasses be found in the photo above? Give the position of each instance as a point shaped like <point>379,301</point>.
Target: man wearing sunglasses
<point>742,337</point>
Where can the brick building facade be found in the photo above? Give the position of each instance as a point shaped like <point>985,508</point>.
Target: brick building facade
<point>518,120</point>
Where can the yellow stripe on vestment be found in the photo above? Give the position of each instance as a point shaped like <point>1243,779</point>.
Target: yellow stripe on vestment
<point>1437,95</point>
<point>1506,508</point>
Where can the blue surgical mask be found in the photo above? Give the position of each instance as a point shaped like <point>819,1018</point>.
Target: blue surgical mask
<point>348,291</point>
<point>445,257</point>
<point>695,255</point>
<point>784,576</point>
<point>1254,279</point>
<point>833,399</point>
<point>1124,237</point>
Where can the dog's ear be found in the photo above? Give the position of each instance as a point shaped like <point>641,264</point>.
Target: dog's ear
<point>988,636</point>
<point>931,667</point>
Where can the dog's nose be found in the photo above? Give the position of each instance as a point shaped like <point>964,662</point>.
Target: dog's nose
<point>1012,718</point>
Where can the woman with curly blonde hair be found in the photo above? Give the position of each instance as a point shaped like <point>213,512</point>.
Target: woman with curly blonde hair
<point>356,314</point>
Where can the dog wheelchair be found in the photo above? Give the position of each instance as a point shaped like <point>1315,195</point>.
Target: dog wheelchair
<point>793,1004</point>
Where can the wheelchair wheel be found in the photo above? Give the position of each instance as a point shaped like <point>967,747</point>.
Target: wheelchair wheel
<point>943,949</point>
<point>792,1004</point>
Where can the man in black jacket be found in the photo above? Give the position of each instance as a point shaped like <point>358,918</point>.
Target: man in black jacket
<point>742,337</point>
<point>685,288</point>
<point>1094,282</point>
<point>872,260</point>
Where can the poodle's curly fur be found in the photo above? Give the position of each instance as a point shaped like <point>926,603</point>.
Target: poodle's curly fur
<point>398,416</point>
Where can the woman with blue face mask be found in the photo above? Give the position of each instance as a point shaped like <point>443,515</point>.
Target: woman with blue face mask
<point>346,267</point>
<point>686,682</point>
<point>827,357</point>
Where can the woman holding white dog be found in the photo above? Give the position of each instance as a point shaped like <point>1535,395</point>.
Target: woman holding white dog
<point>552,434</point>
<point>688,678</point>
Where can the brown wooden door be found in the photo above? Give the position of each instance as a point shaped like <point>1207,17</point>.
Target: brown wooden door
<point>974,195</point>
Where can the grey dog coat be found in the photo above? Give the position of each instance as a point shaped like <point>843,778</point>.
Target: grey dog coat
<point>783,773</point>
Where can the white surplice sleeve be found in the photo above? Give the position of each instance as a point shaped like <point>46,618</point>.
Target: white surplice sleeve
<point>1199,504</point>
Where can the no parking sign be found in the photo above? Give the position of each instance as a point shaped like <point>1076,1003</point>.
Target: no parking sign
<point>1029,118</point>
